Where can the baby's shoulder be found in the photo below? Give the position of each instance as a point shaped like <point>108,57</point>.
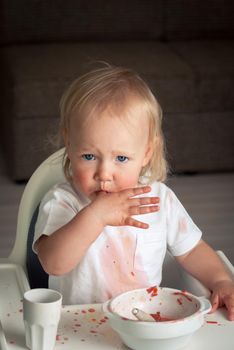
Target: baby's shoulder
<point>165,193</point>
<point>159,189</point>
<point>64,193</point>
<point>61,190</point>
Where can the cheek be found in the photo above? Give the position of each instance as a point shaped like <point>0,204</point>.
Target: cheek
<point>129,180</point>
<point>81,176</point>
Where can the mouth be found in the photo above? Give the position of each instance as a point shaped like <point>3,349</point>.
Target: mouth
<point>101,192</point>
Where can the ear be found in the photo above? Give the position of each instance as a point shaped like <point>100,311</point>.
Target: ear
<point>148,154</point>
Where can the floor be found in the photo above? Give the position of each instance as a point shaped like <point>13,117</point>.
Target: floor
<point>209,199</point>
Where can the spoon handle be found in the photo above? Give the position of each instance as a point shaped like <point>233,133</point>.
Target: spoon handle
<point>142,315</point>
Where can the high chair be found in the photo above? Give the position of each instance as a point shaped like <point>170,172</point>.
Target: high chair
<point>45,176</point>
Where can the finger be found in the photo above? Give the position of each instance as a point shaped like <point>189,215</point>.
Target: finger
<point>229,303</point>
<point>138,190</point>
<point>133,222</point>
<point>144,200</point>
<point>231,313</point>
<point>143,210</point>
<point>214,302</point>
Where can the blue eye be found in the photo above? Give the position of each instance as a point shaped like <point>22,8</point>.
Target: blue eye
<point>122,159</point>
<point>88,156</point>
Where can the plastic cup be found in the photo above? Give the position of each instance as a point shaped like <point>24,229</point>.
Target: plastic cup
<point>41,311</point>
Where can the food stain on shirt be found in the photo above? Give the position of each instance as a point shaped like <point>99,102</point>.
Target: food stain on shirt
<point>117,262</point>
<point>169,196</point>
<point>183,225</point>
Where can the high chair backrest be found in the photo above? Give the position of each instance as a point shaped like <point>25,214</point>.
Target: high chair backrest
<point>45,176</point>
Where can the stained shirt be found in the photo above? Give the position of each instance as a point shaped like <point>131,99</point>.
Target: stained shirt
<point>122,257</point>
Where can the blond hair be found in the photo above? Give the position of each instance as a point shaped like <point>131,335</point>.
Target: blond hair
<point>123,91</point>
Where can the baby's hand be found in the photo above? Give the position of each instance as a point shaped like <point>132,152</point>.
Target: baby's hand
<point>117,208</point>
<point>223,295</point>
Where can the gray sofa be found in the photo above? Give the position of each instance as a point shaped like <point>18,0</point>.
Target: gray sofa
<point>184,50</point>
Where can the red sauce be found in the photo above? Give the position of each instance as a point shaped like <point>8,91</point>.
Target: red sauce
<point>91,310</point>
<point>179,301</point>
<point>153,291</point>
<point>184,295</point>
<point>158,318</point>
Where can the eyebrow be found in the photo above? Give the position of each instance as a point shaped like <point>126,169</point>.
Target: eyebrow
<point>123,152</point>
<point>88,150</point>
<point>114,153</point>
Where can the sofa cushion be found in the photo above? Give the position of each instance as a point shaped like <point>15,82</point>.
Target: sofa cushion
<point>33,21</point>
<point>36,75</point>
<point>200,142</point>
<point>213,65</point>
<point>209,19</point>
<point>185,76</point>
<point>26,143</point>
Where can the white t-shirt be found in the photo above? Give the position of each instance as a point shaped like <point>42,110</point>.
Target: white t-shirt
<point>122,257</point>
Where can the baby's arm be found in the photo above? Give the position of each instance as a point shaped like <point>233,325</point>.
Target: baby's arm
<point>204,264</point>
<point>60,252</point>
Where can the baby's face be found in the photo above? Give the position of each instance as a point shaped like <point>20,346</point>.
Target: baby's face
<point>108,153</point>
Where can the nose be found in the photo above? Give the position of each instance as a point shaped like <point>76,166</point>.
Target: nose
<point>104,174</point>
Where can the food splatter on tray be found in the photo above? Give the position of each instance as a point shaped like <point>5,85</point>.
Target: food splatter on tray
<point>85,324</point>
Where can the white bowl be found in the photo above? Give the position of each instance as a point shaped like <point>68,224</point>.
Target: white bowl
<point>184,311</point>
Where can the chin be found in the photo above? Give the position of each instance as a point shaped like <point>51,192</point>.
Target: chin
<point>92,196</point>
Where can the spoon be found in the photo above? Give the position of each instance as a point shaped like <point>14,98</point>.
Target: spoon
<point>142,315</point>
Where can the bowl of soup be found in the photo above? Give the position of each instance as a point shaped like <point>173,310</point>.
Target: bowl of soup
<point>173,316</point>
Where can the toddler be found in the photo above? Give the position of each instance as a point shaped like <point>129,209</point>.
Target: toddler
<point>107,228</point>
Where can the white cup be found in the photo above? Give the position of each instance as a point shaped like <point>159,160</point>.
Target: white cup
<point>41,310</point>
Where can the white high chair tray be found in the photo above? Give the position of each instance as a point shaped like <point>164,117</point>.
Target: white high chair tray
<point>13,284</point>
<point>85,327</point>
